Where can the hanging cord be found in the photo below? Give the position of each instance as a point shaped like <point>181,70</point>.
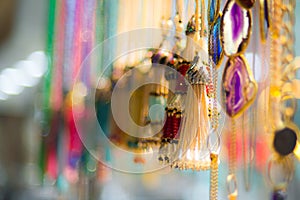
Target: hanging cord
<point>214,165</point>
<point>213,110</point>
<point>202,18</point>
<point>275,64</point>
<point>249,137</point>
<point>232,148</point>
<point>214,176</point>
<point>231,178</point>
<point>197,16</point>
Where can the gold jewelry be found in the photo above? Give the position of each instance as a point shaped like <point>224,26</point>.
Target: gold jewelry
<point>238,85</point>
<point>282,54</point>
<point>214,175</point>
<point>192,151</point>
<point>214,149</point>
<point>215,58</point>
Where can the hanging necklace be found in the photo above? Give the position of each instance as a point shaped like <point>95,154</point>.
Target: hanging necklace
<point>174,112</point>
<point>215,59</point>
<point>175,105</point>
<point>192,152</point>
<point>176,102</point>
<point>238,85</point>
<point>282,103</point>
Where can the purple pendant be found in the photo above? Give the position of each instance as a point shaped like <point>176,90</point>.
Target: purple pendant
<point>247,4</point>
<point>236,16</point>
<point>238,86</point>
<point>235,28</point>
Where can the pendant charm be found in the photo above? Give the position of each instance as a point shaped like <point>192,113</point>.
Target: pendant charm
<point>236,26</point>
<point>192,152</point>
<point>239,86</point>
<point>285,139</point>
<point>215,46</point>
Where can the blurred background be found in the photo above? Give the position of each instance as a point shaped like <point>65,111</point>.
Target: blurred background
<point>40,50</point>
